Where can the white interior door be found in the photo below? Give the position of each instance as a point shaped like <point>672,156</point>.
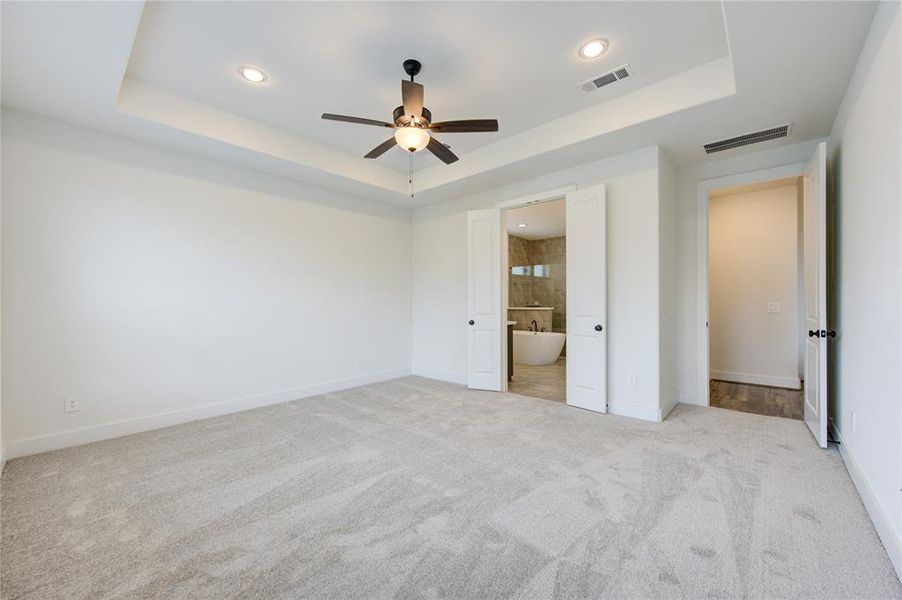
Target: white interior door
<point>484,310</point>
<point>815,267</point>
<point>587,299</point>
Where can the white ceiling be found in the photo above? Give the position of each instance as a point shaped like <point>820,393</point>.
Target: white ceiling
<point>164,73</point>
<point>543,220</point>
<point>514,61</point>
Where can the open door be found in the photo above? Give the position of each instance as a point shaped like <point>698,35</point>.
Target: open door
<point>814,252</point>
<point>484,310</point>
<point>587,299</point>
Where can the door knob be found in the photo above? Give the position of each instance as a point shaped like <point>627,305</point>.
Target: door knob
<point>472,322</point>
<point>832,333</point>
<point>814,333</point>
<point>598,328</point>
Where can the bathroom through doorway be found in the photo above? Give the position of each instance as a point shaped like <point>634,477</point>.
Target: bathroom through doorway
<point>537,299</point>
<point>493,348</point>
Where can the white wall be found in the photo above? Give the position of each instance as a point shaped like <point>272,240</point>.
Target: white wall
<point>753,260</point>
<point>866,160</point>
<point>687,180</point>
<point>667,256</point>
<point>159,297</point>
<point>440,277</point>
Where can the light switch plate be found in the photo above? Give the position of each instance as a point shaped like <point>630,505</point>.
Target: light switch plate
<point>774,308</point>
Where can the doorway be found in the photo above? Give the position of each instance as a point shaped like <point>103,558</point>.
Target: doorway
<point>755,295</point>
<point>584,298</point>
<point>812,297</point>
<point>537,300</point>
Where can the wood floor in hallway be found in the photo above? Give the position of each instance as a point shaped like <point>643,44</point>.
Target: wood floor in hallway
<point>757,399</point>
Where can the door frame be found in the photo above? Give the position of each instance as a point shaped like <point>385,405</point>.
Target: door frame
<point>506,205</point>
<point>703,189</point>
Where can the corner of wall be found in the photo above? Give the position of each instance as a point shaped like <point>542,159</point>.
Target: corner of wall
<point>667,284</point>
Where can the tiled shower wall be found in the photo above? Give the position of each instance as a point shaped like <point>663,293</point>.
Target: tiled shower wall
<point>526,290</point>
<point>519,285</point>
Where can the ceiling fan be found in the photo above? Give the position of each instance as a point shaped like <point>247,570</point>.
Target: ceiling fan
<point>413,122</point>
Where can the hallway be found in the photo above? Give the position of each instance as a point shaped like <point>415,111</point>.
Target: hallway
<point>758,399</point>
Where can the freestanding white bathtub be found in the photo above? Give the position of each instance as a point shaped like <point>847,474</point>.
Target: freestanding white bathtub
<point>537,347</point>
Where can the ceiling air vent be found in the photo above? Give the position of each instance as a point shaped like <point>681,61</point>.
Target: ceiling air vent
<point>748,138</point>
<point>617,74</point>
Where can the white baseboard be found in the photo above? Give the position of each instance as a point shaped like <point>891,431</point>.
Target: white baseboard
<point>666,409</point>
<point>833,430</point>
<point>891,539</point>
<point>2,459</point>
<point>793,383</point>
<point>636,411</point>
<point>622,409</point>
<point>96,433</point>
<point>460,378</point>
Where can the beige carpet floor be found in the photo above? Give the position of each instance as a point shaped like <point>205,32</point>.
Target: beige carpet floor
<point>420,489</point>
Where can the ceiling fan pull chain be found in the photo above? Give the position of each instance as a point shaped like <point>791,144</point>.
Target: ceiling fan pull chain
<point>410,173</point>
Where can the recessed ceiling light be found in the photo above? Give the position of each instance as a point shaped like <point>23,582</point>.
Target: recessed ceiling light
<point>593,48</point>
<point>521,225</point>
<point>251,74</point>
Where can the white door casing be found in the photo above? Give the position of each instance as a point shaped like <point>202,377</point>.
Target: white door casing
<point>587,299</point>
<point>485,315</point>
<point>814,250</point>
<point>703,189</point>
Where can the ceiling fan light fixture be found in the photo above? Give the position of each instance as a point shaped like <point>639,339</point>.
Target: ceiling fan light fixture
<point>251,74</point>
<point>593,48</point>
<point>412,139</point>
<point>413,123</point>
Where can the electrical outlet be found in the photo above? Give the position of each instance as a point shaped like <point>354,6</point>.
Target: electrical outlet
<point>71,403</point>
<point>774,308</point>
<point>361,360</point>
<point>631,380</point>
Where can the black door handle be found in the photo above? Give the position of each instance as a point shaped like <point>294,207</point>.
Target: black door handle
<point>832,333</point>
<point>598,328</point>
<point>814,333</point>
<point>472,322</point>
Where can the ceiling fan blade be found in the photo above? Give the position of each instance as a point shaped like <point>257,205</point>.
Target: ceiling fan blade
<point>465,126</point>
<point>381,148</point>
<point>412,98</point>
<point>441,151</point>
<point>358,120</point>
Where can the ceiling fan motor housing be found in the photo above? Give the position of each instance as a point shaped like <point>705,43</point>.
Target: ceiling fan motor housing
<point>401,119</point>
